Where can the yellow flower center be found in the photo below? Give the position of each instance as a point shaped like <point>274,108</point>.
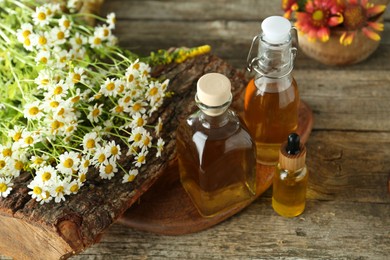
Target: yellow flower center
<point>38,160</point>
<point>75,99</point>
<point>61,112</point>
<point>46,176</point>
<point>136,66</point>
<point>74,188</point>
<point>110,86</point>
<point>95,112</point>
<point>66,23</point>
<point>63,59</point>
<point>127,99</point>
<point>27,42</point>
<point>119,109</point>
<point>55,125</point>
<point>68,163</point>
<point>146,141</point>
<point>137,107</point>
<point>42,40</point>
<point>109,168</point>
<point>76,78</point>
<point>7,152</point>
<point>318,15</point>
<point>131,178</point>
<point>17,136</point>
<point>121,88</point>
<point>3,187</point>
<point>33,111</point>
<point>78,41</point>
<point>141,159</point>
<point>153,91</point>
<point>130,78</point>
<point>37,190</point>
<point>101,158</point>
<point>90,144</point>
<point>137,137</point>
<point>114,150</point>
<point>69,129</point>
<point>60,189</point>
<point>26,33</point>
<point>60,35</point>
<point>86,163</point>
<point>41,16</point>
<point>2,164</point>
<point>43,60</point>
<point>83,177</point>
<point>29,140</point>
<point>106,32</point>
<point>18,165</point>
<point>97,41</point>
<point>58,90</point>
<point>54,104</point>
<point>140,121</point>
<point>45,81</point>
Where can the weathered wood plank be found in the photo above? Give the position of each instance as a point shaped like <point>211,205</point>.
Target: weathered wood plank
<point>229,40</point>
<point>240,10</point>
<point>326,230</point>
<point>347,99</point>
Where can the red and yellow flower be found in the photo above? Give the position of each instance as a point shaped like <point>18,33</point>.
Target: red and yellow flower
<point>318,17</point>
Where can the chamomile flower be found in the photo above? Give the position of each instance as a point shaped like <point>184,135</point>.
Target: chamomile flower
<point>68,162</point>
<point>5,186</point>
<point>65,23</point>
<point>108,88</point>
<point>90,142</point>
<point>139,120</point>
<point>16,133</point>
<point>3,162</point>
<point>46,173</point>
<point>108,170</point>
<point>62,57</point>
<point>37,189</point>
<point>77,41</point>
<point>6,150</point>
<point>40,16</point>
<point>113,149</point>
<point>130,176</point>
<point>41,40</point>
<point>58,90</point>
<point>140,159</point>
<point>29,139</point>
<point>138,106</point>
<point>136,135</point>
<point>58,189</point>
<point>73,187</point>
<point>95,112</point>
<point>44,79</point>
<point>58,35</point>
<point>24,32</point>
<point>160,147</point>
<point>100,157</point>
<point>103,31</point>
<point>111,20</point>
<point>84,164</point>
<point>78,75</point>
<point>95,41</point>
<point>38,161</point>
<point>146,141</point>
<point>28,43</point>
<point>154,91</point>
<point>43,57</point>
<point>33,111</point>
<point>72,5</point>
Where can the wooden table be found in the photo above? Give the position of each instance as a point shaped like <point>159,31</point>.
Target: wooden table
<point>348,206</point>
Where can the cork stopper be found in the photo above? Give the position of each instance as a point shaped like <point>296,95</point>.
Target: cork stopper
<point>292,154</point>
<point>213,91</point>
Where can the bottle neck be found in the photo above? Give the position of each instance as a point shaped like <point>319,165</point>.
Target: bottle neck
<point>214,121</point>
<point>275,60</point>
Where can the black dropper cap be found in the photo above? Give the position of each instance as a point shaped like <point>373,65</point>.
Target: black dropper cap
<point>293,144</point>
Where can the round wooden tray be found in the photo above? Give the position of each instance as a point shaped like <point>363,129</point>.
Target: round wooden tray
<point>167,209</point>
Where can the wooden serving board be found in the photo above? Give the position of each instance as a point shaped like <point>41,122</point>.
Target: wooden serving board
<point>167,209</point>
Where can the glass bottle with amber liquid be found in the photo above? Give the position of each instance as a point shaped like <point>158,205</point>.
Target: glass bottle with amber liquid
<point>290,179</point>
<point>271,97</point>
<point>216,154</point>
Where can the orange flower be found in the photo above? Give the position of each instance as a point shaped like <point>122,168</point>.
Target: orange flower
<point>318,17</point>
<point>288,7</point>
<point>361,15</point>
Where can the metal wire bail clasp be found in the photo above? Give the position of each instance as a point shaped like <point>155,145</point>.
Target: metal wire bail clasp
<point>250,59</point>
<point>294,42</point>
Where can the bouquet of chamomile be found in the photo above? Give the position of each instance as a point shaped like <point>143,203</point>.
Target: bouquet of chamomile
<point>70,100</point>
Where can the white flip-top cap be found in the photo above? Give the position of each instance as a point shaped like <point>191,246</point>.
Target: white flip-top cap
<point>213,90</point>
<point>276,29</point>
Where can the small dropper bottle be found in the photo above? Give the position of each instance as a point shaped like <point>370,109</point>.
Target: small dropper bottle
<point>290,179</point>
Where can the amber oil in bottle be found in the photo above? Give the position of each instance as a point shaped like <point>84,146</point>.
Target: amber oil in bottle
<point>290,179</point>
<point>216,154</point>
<point>272,98</point>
